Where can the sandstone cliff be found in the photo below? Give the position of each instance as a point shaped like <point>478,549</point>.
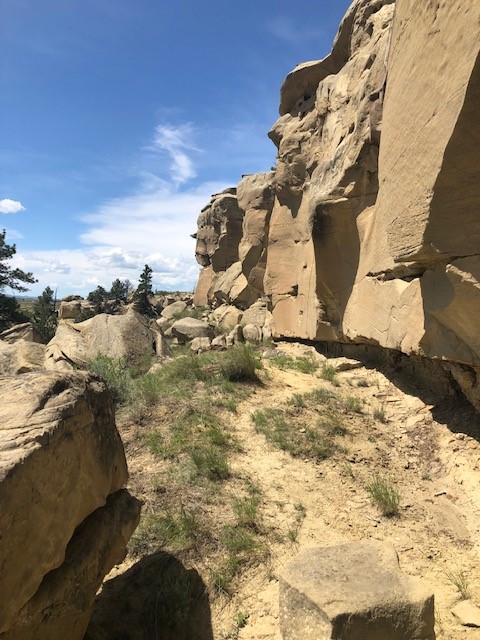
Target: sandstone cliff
<point>367,230</point>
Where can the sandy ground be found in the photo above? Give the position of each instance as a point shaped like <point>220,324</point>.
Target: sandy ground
<point>436,471</point>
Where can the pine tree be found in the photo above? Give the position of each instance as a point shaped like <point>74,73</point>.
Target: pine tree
<point>98,297</point>
<point>43,316</point>
<point>144,290</point>
<point>12,278</point>
<point>119,290</point>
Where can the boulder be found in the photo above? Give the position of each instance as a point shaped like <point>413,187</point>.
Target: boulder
<point>174,309</point>
<point>124,336</point>
<point>467,613</point>
<point>162,349</point>
<point>252,333</point>
<point>353,592</point>
<point>25,331</point>
<point>235,336</point>
<point>219,343</point>
<point>21,357</point>
<point>61,462</point>
<point>227,317</point>
<point>199,345</point>
<point>256,314</point>
<point>74,309</point>
<point>187,329</point>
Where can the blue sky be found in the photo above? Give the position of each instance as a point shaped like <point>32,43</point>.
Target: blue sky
<point>119,118</point>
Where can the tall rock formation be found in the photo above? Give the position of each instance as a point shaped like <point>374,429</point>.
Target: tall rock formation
<point>66,518</point>
<point>367,230</point>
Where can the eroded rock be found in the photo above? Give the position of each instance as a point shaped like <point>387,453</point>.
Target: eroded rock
<point>60,459</point>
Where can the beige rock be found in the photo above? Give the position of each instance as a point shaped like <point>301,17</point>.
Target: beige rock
<point>162,348</point>
<point>62,606</point>
<point>60,458</point>
<point>227,317</point>
<point>252,333</point>
<point>200,345</point>
<point>467,613</point>
<point>353,592</point>
<point>25,331</point>
<point>189,328</point>
<point>128,335</point>
<point>235,336</point>
<point>21,357</point>
<point>201,296</point>
<point>219,343</point>
<point>256,314</point>
<point>73,309</point>
<point>174,309</point>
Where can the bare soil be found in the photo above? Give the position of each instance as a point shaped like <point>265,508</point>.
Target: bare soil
<point>435,470</point>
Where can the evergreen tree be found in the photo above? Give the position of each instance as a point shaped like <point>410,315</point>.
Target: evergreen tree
<point>119,290</point>
<point>144,290</point>
<point>98,297</point>
<point>12,278</point>
<point>43,316</point>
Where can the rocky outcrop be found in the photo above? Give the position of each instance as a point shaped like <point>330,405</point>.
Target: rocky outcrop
<point>367,230</point>
<point>353,591</point>
<point>124,336</point>
<point>190,328</point>
<point>25,331</point>
<point>62,473</point>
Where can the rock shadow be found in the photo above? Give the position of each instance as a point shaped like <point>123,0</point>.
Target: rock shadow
<point>417,376</point>
<point>156,599</point>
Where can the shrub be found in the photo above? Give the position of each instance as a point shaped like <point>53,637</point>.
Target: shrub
<point>240,364</point>
<point>380,414</point>
<point>385,495</point>
<point>116,373</point>
<point>304,364</point>
<point>353,405</point>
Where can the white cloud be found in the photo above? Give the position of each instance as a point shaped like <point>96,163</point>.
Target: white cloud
<point>10,206</point>
<point>285,29</point>
<point>151,225</point>
<point>176,140</point>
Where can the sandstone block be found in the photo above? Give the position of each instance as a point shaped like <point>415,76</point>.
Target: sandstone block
<point>353,592</point>
<point>189,328</point>
<point>173,309</point>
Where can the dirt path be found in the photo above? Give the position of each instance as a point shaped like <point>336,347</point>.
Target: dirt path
<point>436,471</point>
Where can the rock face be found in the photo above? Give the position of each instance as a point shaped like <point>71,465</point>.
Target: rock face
<point>367,230</point>
<point>120,336</point>
<point>62,469</point>
<point>353,592</point>
<point>25,331</point>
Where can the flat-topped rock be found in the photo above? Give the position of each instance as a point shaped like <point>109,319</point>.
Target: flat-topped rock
<point>353,592</point>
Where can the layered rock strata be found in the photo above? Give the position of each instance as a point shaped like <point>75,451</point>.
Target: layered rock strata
<point>66,518</point>
<point>367,230</point>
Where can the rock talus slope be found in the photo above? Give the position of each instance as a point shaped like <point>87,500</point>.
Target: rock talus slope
<point>66,518</point>
<point>367,229</point>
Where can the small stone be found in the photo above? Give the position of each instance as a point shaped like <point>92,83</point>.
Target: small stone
<point>467,613</point>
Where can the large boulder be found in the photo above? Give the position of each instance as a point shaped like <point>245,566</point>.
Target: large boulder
<point>75,309</point>
<point>173,309</point>
<point>189,328</point>
<point>65,521</point>
<point>124,336</point>
<point>353,592</point>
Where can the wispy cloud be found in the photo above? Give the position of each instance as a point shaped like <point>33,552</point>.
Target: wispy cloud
<point>10,206</point>
<point>176,141</point>
<point>152,224</point>
<point>285,29</point>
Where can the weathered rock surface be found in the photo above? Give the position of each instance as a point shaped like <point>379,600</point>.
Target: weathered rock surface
<point>21,357</point>
<point>173,309</point>
<point>128,335</point>
<point>61,461</point>
<point>189,328</point>
<point>367,230</point>
<point>74,309</point>
<point>353,592</point>
<point>467,613</point>
<point>25,331</point>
